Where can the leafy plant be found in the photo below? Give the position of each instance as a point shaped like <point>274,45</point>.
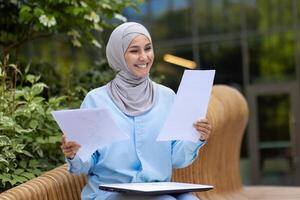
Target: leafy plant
<point>29,137</point>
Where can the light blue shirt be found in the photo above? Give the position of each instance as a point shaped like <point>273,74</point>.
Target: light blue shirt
<point>139,159</point>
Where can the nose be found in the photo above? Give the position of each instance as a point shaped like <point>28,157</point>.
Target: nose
<point>143,55</point>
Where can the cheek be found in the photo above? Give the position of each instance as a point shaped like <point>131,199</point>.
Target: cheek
<point>151,55</point>
<point>129,58</point>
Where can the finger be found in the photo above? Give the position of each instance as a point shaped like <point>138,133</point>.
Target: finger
<point>204,127</point>
<point>70,151</point>
<point>72,144</point>
<point>75,147</point>
<point>203,130</point>
<point>204,134</point>
<point>204,120</point>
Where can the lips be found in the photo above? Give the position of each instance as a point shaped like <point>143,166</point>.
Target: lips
<point>141,65</point>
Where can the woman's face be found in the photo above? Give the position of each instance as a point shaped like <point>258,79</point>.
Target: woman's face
<point>139,56</point>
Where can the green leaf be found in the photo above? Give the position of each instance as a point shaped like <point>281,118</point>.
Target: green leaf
<point>21,130</point>
<point>33,124</point>
<point>32,78</point>
<point>27,153</point>
<point>15,68</point>
<point>36,171</point>
<point>38,88</point>
<point>25,14</point>
<point>33,163</point>
<point>9,154</point>
<point>23,163</point>
<point>40,152</point>
<point>37,11</point>
<point>18,148</point>
<point>5,178</point>
<point>54,139</point>
<point>106,6</point>
<point>38,100</point>
<point>27,68</point>
<point>25,8</point>
<point>18,179</point>
<point>19,171</point>
<point>4,140</point>
<point>75,10</point>
<point>28,175</point>
<point>7,122</point>
<point>2,160</point>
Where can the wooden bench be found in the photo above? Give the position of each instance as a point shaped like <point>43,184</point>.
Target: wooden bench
<point>217,164</point>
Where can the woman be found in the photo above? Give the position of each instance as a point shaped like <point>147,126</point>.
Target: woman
<point>140,107</point>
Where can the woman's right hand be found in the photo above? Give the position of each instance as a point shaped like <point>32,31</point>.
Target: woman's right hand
<point>69,148</point>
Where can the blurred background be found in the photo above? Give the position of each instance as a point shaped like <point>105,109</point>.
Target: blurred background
<point>254,46</point>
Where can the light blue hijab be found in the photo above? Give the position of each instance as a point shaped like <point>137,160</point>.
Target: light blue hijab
<point>133,95</point>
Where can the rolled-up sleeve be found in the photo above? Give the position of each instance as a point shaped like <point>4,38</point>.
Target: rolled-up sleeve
<point>184,152</point>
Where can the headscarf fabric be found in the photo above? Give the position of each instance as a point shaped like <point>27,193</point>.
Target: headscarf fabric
<point>133,95</point>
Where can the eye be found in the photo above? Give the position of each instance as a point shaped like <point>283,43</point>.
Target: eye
<point>133,51</point>
<point>148,48</point>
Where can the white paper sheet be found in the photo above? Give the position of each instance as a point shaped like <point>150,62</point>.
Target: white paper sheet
<point>190,104</point>
<point>91,128</point>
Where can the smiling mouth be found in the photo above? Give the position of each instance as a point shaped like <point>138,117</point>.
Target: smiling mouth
<point>142,65</point>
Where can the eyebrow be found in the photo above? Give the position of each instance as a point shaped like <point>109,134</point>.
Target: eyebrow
<point>131,47</point>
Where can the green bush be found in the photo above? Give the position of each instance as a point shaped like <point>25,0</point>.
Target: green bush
<point>29,137</point>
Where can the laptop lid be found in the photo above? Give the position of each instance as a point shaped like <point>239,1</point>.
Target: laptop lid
<point>153,188</point>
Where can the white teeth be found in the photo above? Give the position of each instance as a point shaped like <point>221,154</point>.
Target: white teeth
<point>142,66</point>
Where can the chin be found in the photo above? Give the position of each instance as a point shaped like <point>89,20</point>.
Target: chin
<point>142,75</point>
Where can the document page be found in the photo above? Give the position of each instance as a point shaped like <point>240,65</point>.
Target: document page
<point>91,128</point>
<point>190,104</point>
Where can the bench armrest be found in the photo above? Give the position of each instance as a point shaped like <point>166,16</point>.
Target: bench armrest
<point>57,184</point>
<point>218,162</point>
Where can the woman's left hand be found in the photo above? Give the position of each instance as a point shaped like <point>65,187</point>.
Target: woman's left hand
<point>204,128</point>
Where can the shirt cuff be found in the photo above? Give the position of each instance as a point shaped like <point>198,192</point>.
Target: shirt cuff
<point>195,146</point>
<point>73,163</point>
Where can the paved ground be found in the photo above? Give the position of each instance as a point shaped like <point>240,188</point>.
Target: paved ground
<point>272,193</point>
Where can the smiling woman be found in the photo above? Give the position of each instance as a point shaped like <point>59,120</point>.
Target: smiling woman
<point>140,107</point>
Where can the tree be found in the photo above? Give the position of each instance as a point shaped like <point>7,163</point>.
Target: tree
<point>23,20</point>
